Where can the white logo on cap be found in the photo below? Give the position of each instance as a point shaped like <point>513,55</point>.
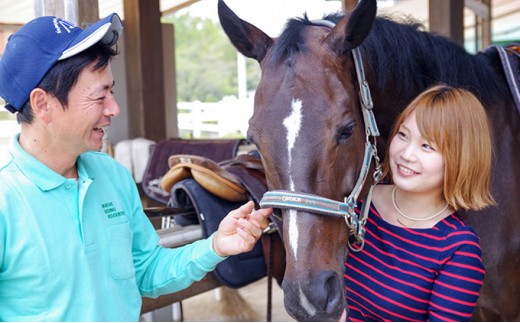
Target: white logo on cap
<point>60,23</point>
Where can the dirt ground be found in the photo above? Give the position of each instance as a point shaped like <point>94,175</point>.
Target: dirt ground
<point>246,304</point>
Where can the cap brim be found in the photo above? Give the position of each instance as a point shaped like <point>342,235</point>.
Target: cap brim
<point>106,30</point>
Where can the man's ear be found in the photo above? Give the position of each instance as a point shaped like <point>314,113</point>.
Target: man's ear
<point>40,104</point>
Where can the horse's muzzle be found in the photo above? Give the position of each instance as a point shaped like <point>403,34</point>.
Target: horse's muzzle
<point>317,298</point>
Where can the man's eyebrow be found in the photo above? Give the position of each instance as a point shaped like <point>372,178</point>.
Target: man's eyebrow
<point>106,87</point>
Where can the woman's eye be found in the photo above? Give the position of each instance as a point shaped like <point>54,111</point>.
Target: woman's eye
<point>428,147</point>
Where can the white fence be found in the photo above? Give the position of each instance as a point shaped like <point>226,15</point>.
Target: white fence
<point>225,118</point>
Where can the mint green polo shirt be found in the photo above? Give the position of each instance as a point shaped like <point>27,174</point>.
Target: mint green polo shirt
<point>83,250</point>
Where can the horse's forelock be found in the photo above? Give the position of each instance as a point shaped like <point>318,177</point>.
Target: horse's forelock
<point>291,41</point>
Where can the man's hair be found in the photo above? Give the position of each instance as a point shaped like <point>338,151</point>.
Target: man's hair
<point>60,79</point>
<point>455,121</point>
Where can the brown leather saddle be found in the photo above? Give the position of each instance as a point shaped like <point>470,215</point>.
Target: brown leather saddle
<point>233,180</point>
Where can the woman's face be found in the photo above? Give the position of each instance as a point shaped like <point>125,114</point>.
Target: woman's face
<point>416,164</point>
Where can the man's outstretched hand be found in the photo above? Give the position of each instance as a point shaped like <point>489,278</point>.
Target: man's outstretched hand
<point>240,230</point>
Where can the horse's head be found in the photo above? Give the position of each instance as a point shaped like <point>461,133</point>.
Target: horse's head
<point>308,127</point>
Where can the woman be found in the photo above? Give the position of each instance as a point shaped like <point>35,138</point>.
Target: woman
<point>421,262</point>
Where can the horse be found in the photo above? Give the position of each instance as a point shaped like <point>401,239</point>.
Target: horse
<point>312,134</point>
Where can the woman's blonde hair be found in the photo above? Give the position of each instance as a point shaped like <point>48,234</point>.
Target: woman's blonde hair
<point>455,121</point>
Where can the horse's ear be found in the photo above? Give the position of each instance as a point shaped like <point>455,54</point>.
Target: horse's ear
<point>248,39</point>
<point>352,30</point>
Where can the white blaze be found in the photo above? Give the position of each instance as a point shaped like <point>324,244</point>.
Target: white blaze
<point>293,124</point>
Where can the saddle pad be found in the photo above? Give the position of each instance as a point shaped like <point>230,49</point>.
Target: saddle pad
<point>214,149</point>
<point>235,271</point>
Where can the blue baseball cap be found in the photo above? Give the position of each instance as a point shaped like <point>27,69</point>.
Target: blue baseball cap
<point>32,51</point>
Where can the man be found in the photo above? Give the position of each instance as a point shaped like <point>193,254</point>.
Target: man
<point>75,244</point>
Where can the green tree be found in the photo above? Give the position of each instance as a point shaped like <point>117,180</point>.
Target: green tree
<point>205,60</point>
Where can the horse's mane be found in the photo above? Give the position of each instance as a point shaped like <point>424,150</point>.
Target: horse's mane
<point>418,60</point>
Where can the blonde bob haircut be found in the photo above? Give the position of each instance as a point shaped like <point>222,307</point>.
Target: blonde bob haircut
<point>454,121</point>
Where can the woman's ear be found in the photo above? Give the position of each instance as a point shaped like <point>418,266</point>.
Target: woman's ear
<point>40,104</point>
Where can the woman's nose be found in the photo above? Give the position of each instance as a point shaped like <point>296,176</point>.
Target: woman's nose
<point>408,153</point>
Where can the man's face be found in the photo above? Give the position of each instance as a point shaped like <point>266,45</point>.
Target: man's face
<point>81,125</point>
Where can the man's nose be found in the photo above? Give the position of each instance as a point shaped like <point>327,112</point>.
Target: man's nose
<point>111,107</point>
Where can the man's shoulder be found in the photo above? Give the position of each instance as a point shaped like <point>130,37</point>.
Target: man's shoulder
<point>98,157</point>
<point>98,161</point>
<point>5,162</point>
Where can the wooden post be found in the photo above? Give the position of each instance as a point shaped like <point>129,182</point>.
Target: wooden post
<point>170,81</point>
<point>482,10</point>
<point>144,69</point>
<point>349,5</point>
<point>447,18</point>
<point>82,13</point>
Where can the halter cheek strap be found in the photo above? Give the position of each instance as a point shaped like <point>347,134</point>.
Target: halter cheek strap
<point>283,199</point>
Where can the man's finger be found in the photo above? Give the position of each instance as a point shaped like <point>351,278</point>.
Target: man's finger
<point>243,211</point>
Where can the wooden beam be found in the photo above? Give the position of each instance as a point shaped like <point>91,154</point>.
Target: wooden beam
<point>207,283</point>
<point>144,69</point>
<point>447,18</point>
<point>175,8</point>
<point>481,9</point>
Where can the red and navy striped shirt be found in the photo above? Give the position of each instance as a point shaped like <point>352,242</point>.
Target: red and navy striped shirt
<point>407,274</point>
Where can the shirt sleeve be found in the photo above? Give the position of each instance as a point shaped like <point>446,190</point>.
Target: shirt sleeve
<point>161,270</point>
<point>3,227</point>
<point>457,287</point>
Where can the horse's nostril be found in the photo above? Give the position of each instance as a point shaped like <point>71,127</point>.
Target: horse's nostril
<point>329,293</point>
<point>334,292</point>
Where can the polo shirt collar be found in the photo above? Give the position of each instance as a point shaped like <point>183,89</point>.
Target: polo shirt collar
<point>37,172</point>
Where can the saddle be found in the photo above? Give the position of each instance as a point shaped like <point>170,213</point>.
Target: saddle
<point>213,149</point>
<point>216,189</point>
<point>234,180</point>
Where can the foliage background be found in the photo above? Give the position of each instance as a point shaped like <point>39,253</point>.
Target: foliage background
<point>206,62</point>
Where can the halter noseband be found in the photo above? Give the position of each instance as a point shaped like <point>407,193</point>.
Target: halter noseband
<point>284,199</point>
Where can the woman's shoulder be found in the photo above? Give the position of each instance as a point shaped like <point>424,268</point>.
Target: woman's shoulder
<point>456,229</point>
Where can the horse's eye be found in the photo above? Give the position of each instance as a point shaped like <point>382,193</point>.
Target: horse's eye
<point>250,139</point>
<point>345,132</point>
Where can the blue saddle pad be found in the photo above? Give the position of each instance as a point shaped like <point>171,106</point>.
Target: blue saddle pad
<point>235,271</point>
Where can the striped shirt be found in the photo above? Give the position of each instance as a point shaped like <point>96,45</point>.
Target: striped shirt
<point>407,274</point>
